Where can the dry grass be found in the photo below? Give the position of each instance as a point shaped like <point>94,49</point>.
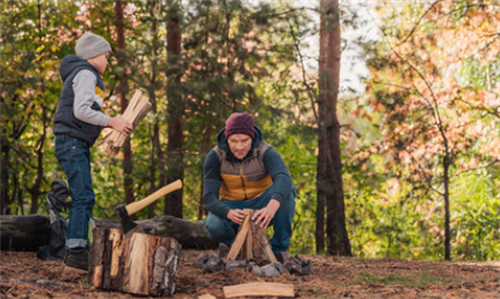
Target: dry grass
<point>23,276</point>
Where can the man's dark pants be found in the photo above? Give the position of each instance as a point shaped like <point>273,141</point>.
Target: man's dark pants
<point>224,230</point>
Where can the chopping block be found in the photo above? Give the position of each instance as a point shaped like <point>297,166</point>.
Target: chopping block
<point>142,264</point>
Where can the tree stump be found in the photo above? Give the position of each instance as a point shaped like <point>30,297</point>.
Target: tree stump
<point>142,265</point>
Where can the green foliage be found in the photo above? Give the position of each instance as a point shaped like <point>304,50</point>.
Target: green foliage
<point>240,57</point>
<point>476,220</point>
<point>234,58</point>
<point>432,104</point>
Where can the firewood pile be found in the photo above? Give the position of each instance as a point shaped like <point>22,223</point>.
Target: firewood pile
<point>251,250</point>
<point>210,263</point>
<point>136,110</point>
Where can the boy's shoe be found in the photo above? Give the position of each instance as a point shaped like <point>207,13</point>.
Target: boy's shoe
<point>77,258</point>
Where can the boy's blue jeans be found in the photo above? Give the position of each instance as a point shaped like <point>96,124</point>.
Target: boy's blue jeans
<point>224,230</point>
<point>74,156</point>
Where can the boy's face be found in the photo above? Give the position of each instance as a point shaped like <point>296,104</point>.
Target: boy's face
<point>240,145</point>
<point>100,62</point>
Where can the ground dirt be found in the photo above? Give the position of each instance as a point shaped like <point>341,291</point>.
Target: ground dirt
<point>22,275</point>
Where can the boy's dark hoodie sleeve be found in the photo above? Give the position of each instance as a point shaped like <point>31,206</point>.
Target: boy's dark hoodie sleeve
<point>280,175</point>
<point>211,186</point>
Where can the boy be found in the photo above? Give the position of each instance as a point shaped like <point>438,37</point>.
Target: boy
<point>77,124</point>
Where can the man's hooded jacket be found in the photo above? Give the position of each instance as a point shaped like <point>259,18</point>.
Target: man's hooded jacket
<point>226,177</point>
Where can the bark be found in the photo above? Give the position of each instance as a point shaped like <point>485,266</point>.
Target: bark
<point>329,175</point>
<point>175,110</point>
<point>5,198</point>
<point>35,189</point>
<point>446,181</point>
<point>320,207</point>
<point>156,155</point>
<point>206,134</point>
<point>142,265</point>
<point>27,233</point>
<point>128,181</point>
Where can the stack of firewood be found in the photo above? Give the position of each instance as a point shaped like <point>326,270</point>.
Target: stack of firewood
<point>136,110</point>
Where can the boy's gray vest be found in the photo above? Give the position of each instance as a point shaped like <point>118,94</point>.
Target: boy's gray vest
<point>65,121</point>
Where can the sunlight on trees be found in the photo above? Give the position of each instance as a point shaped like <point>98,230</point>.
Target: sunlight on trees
<point>420,150</point>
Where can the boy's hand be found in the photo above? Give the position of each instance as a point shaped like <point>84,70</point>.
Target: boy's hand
<point>264,216</point>
<point>119,124</point>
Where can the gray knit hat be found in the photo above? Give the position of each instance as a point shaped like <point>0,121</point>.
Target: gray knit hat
<point>91,45</point>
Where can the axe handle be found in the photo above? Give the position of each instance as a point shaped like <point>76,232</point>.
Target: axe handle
<point>136,206</point>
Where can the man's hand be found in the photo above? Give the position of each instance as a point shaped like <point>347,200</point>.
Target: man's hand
<point>120,124</point>
<point>237,216</point>
<point>265,215</point>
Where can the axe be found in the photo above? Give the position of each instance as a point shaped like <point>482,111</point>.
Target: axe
<point>130,227</point>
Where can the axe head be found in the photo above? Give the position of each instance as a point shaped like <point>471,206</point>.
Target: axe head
<point>129,227</point>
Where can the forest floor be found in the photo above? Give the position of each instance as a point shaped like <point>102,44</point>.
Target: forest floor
<point>22,275</point>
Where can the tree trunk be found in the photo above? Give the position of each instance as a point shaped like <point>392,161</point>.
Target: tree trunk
<point>27,233</point>
<point>320,206</point>
<point>142,265</point>
<point>206,134</point>
<point>35,189</point>
<point>446,181</point>
<point>329,176</point>
<point>5,198</point>
<point>175,111</point>
<point>156,155</point>
<point>121,72</point>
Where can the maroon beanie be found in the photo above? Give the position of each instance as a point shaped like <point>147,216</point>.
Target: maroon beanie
<point>240,123</point>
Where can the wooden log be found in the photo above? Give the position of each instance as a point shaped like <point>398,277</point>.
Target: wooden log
<point>141,109</point>
<point>261,248</point>
<point>142,265</point>
<point>136,110</point>
<point>251,242</point>
<point>27,233</point>
<point>247,252</point>
<point>24,233</point>
<point>239,240</point>
<point>259,289</point>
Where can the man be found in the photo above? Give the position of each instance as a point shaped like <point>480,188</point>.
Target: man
<point>243,172</point>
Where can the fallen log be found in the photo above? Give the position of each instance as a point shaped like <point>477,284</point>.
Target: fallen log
<point>142,265</point>
<point>27,233</point>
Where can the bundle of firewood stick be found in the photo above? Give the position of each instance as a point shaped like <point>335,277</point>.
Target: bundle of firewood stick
<point>136,110</point>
